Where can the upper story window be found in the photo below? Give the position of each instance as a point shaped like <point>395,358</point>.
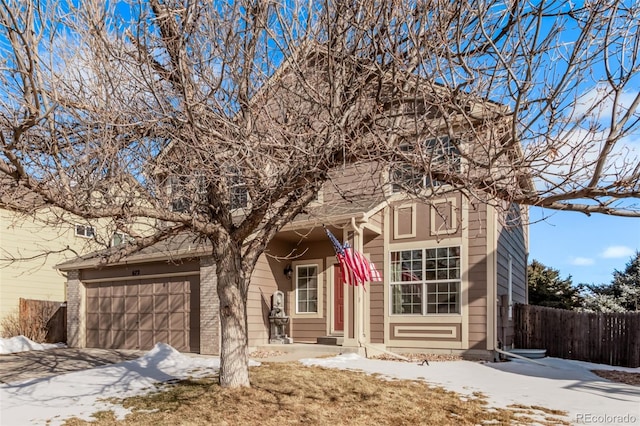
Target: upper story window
<point>85,231</point>
<point>180,201</point>
<point>426,281</point>
<point>440,152</point>
<point>118,238</point>
<point>189,192</point>
<point>238,195</point>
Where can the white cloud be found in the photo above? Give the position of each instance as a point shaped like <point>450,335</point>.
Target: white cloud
<point>612,252</point>
<point>569,158</point>
<point>581,261</point>
<point>599,103</point>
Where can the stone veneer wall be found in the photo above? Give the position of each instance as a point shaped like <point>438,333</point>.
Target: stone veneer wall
<point>209,308</point>
<point>73,309</point>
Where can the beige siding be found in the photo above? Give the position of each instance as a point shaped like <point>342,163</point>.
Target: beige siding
<point>512,241</point>
<point>456,224</point>
<point>477,276</point>
<point>433,221</point>
<point>377,219</point>
<point>375,249</point>
<point>263,285</point>
<point>308,329</point>
<point>36,243</point>
<point>268,276</point>
<point>357,181</point>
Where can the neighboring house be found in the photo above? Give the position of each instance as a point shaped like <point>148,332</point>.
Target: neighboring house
<point>452,270</point>
<point>30,247</point>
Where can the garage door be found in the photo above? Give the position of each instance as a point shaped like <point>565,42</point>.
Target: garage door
<point>137,314</point>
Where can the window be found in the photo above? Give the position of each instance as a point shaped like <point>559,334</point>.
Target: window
<point>239,197</point>
<point>85,231</point>
<point>118,238</point>
<point>440,152</point>
<point>425,281</point>
<point>180,202</point>
<point>306,289</point>
<point>238,193</point>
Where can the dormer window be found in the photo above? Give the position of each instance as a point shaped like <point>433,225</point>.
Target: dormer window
<point>436,153</point>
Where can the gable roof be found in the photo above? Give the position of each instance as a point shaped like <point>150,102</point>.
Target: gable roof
<point>185,245</point>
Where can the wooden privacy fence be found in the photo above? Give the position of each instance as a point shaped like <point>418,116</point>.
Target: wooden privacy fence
<point>605,338</point>
<point>43,320</point>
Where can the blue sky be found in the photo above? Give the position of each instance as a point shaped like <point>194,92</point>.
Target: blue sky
<point>589,248</point>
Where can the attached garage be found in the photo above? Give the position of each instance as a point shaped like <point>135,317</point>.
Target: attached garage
<point>143,300</point>
<point>137,314</point>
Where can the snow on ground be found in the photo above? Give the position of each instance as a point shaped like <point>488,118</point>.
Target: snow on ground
<point>556,384</point>
<point>81,393</point>
<point>23,344</point>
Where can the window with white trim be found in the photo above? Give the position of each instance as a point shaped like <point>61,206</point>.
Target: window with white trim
<point>177,187</point>
<point>85,231</point>
<point>440,153</point>
<point>306,289</point>
<point>425,281</point>
<point>119,238</point>
<point>237,187</point>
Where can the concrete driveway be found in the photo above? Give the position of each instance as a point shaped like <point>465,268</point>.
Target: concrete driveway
<point>23,366</point>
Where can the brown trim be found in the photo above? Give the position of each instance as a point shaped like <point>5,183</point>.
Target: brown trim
<point>426,332</point>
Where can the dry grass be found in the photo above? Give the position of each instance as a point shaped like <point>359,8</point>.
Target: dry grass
<point>289,393</point>
<point>619,376</point>
<point>420,357</point>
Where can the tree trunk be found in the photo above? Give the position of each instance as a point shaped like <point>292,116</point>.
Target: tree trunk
<point>234,369</point>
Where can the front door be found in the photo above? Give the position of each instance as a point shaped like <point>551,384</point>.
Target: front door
<point>338,300</point>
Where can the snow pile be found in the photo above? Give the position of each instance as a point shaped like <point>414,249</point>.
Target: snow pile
<point>82,393</point>
<point>23,344</point>
<point>558,384</point>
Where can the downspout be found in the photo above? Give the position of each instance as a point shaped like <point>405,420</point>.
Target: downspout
<point>510,289</point>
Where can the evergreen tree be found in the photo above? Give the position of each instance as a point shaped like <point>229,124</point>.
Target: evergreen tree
<point>623,294</point>
<point>546,288</point>
<point>626,284</point>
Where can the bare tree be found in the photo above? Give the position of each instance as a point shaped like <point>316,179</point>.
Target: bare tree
<point>224,119</point>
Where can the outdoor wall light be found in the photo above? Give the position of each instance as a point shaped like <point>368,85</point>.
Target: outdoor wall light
<point>288,271</point>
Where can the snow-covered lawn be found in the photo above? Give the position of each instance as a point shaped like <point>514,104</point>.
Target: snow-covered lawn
<point>82,393</point>
<point>559,384</point>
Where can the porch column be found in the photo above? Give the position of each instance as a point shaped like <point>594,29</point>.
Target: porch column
<point>74,299</point>
<point>360,295</point>
<point>209,308</point>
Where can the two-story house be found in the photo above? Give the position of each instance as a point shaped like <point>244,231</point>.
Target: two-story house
<point>452,264</point>
<point>33,239</point>
<point>452,269</point>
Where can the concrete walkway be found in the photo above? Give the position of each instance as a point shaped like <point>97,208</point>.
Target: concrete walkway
<point>296,351</point>
<point>30,365</point>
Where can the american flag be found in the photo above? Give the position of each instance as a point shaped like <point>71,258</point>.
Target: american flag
<point>354,267</point>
